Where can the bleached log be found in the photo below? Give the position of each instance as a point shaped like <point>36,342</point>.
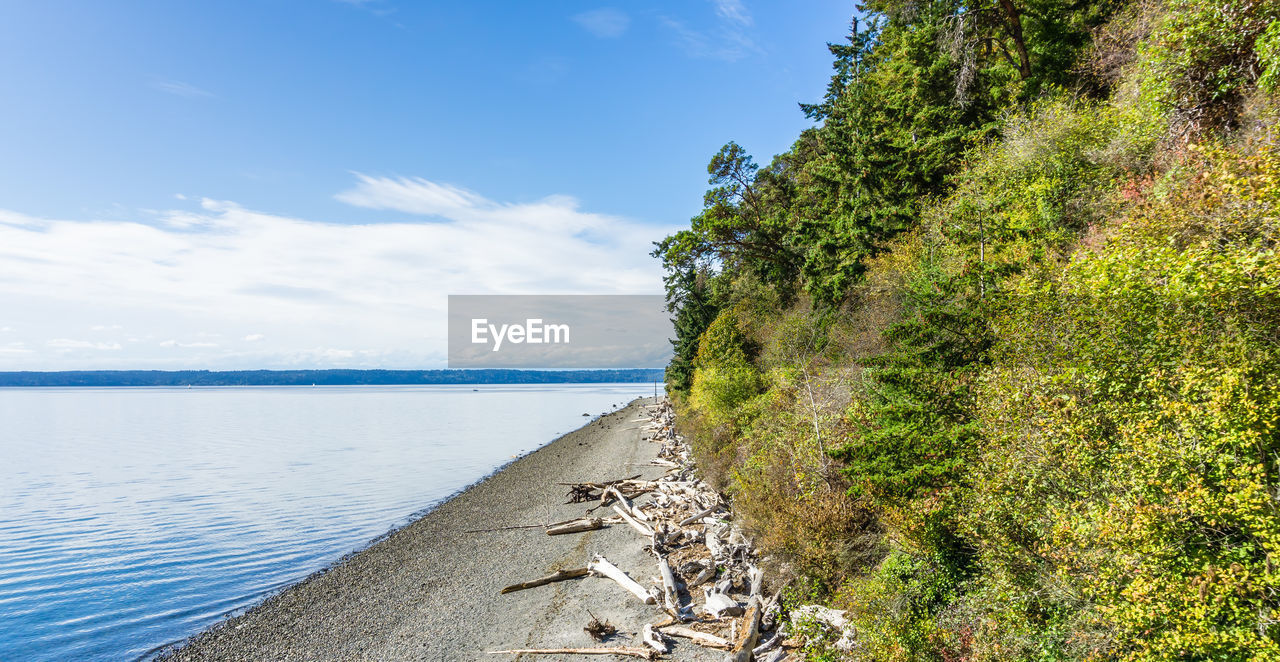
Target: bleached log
<point>697,518</point>
<point>643,653</point>
<point>626,504</point>
<point>719,604</point>
<point>746,640</point>
<point>626,517</point>
<point>700,638</point>
<point>714,545</point>
<point>670,597</point>
<point>664,463</point>
<point>757,581</point>
<point>653,640</point>
<point>557,576</point>
<point>576,526</point>
<point>769,617</point>
<point>772,643</point>
<point>601,566</point>
<point>708,573</point>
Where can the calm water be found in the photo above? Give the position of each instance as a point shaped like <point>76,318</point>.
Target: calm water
<point>133,518</point>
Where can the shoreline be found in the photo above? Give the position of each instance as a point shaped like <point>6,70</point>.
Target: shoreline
<point>169,651</point>
<point>429,589</point>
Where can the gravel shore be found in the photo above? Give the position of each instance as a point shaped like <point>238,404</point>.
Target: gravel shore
<point>430,590</point>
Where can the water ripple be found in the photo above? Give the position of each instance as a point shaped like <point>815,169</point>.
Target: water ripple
<point>133,518</point>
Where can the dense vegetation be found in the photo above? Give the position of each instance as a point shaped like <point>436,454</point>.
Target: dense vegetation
<point>335,377</point>
<point>991,355</point>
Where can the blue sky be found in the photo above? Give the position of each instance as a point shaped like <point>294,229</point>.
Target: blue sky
<point>286,184</point>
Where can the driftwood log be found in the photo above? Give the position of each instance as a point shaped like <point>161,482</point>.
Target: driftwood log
<point>557,576</point>
<point>653,640</point>
<point>747,637</point>
<point>576,526</point>
<point>670,597</point>
<point>601,566</point>
<point>698,517</point>
<point>700,638</point>
<point>626,517</point>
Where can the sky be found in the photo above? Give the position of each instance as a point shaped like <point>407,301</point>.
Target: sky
<point>300,184</point>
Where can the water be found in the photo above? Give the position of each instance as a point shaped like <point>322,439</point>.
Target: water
<point>133,518</point>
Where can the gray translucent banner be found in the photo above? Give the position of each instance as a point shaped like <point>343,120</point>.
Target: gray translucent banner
<point>584,331</point>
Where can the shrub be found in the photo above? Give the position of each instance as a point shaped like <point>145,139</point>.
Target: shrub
<point>1199,63</point>
<point>1134,422</point>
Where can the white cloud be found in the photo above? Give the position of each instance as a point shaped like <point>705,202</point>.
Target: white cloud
<point>105,327</point>
<point>181,89</point>
<point>732,11</point>
<point>304,293</point>
<point>67,343</point>
<point>728,40</point>
<point>605,22</point>
<point>197,345</point>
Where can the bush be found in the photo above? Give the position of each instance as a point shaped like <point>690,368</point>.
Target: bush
<point>724,376</point>
<point>1199,64</point>
<point>1134,421</point>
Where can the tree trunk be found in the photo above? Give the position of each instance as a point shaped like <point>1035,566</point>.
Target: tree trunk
<point>1013,19</point>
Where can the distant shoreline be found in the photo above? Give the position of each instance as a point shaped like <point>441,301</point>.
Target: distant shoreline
<point>335,377</point>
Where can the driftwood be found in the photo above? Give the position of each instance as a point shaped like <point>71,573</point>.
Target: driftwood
<point>624,502</point>
<point>643,653</point>
<point>746,639</point>
<point>750,628</point>
<point>601,566</point>
<point>557,576</point>
<point>777,656</point>
<point>698,517</point>
<point>576,526</point>
<point>757,581</point>
<point>708,573</point>
<point>772,643</point>
<point>670,597</point>
<point>718,603</point>
<point>713,543</point>
<point>653,640</point>
<point>626,517</point>
<point>700,638</point>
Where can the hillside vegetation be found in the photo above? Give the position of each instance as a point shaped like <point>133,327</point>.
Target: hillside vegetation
<point>991,356</point>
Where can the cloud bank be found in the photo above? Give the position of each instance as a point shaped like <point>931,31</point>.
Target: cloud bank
<point>222,286</point>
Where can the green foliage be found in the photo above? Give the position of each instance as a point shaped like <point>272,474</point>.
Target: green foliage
<point>724,377</point>
<point>1134,425</point>
<point>689,297</point>
<point>1199,63</point>
<point>995,358</point>
<point>895,608</point>
<point>1268,48</point>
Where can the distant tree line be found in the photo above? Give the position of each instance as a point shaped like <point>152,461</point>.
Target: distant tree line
<point>322,377</point>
